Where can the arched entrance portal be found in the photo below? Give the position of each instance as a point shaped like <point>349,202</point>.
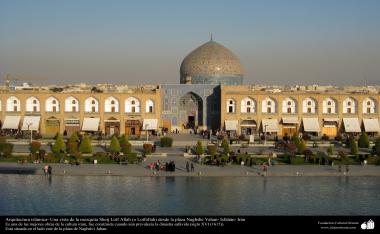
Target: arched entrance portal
<point>190,111</point>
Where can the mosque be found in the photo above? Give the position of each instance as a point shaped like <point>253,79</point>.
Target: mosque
<point>211,95</point>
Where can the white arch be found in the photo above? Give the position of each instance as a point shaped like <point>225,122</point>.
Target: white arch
<point>13,104</point>
<point>309,106</point>
<point>149,106</point>
<point>132,105</point>
<point>329,106</point>
<point>71,104</point>
<point>111,104</point>
<point>289,106</point>
<point>268,105</point>
<point>91,105</point>
<point>32,104</point>
<point>349,106</point>
<point>52,104</point>
<point>231,105</point>
<point>248,105</point>
<point>369,106</point>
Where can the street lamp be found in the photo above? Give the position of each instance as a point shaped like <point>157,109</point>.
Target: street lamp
<point>31,131</point>
<point>147,134</point>
<point>265,134</point>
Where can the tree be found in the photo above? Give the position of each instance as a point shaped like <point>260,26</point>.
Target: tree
<point>59,144</point>
<point>363,140</point>
<point>353,145</point>
<point>295,139</point>
<point>85,145</point>
<point>114,146</point>
<point>72,143</point>
<point>34,146</point>
<point>199,148</point>
<point>212,150</point>
<point>377,146</point>
<point>301,147</point>
<point>226,147</point>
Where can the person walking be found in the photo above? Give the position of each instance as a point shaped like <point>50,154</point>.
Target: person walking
<point>192,167</point>
<point>46,167</point>
<point>187,166</point>
<point>347,168</point>
<point>50,170</point>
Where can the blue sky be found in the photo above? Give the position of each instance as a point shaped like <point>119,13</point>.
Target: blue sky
<point>144,41</point>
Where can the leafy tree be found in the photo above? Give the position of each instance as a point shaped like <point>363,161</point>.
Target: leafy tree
<point>363,140</point>
<point>212,150</point>
<point>199,148</point>
<point>72,143</point>
<point>85,145</point>
<point>295,139</point>
<point>226,147</point>
<point>115,145</point>
<point>59,144</point>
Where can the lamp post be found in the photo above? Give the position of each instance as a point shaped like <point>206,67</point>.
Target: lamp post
<point>147,134</point>
<point>265,134</point>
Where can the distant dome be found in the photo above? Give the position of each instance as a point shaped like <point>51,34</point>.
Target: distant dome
<point>212,63</point>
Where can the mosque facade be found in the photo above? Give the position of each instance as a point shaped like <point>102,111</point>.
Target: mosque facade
<point>211,96</point>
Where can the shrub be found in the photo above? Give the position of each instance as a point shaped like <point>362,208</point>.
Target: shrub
<point>330,150</point>
<point>225,146</point>
<point>211,150</point>
<point>34,147</point>
<point>72,143</point>
<point>363,140</point>
<point>148,148</point>
<point>3,140</point>
<point>295,139</point>
<point>353,146</point>
<point>166,142</point>
<point>199,148</point>
<point>6,149</point>
<point>59,144</point>
<point>377,146</point>
<point>297,160</point>
<point>224,158</point>
<point>114,145</point>
<point>301,147</point>
<point>100,154</point>
<point>126,147</point>
<point>374,160</point>
<point>85,145</point>
<point>131,158</point>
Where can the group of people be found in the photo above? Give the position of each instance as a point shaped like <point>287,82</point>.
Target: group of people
<point>189,167</point>
<point>168,166</point>
<point>48,170</point>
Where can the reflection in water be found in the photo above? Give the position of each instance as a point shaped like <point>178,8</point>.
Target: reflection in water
<point>117,195</point>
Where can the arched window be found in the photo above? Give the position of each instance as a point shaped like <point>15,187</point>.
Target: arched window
<point>248,105</point>
<point>132,105</point>
<point>149,105</point>
<point>91,105</point>
<point>111,105</point>
<point>329,106</point>
<point>268,105</point>
<point>289,106</point>
<point>309,106</point>
<point>51,105</point>
<point>32,104</point>
<point>13,104</point>
<point>349,106</point>
<point>369,106</point>
<point>230,106</point>
<point>71,104</point>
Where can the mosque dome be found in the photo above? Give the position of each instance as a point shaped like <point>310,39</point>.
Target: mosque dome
<point>212,63</point>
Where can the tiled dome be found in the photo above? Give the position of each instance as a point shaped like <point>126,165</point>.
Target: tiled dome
<point>211,60</point>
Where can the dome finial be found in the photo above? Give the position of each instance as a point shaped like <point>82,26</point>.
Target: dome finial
<point>211,37</point>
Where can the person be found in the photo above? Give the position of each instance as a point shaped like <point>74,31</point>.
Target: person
<point>50,169</point>
<point>340,168</point>
<point>347,169</point>
<point>192,167</point>
<point>187,166</point>
<point>46,167</point>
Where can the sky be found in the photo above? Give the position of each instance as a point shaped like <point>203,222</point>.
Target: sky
<point>283,42</point>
